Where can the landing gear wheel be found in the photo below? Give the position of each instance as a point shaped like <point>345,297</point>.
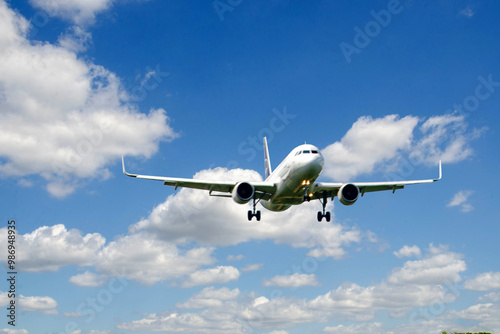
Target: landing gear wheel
<point>323,214</point>
<point>253,213</point>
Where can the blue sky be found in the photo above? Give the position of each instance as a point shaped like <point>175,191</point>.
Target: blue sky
<point>385,89</point>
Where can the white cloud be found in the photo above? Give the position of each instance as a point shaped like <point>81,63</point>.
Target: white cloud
<point>76,39</point>
<point>491,297</point>
<point>484,282</point>
<point>42,304</point>
<point>64,118</point>
<point>292,281</point>
<point>487,315</point>
<point>467,12</point>
<point>88,279</point>
<point>139,257</point>
<point>439,267</point>
<point>13,331</point>
<point>408,251</point>
<point>238,257</point>
<point>373,328</point>
<point>252,267</point>
<point>72,314</point>
<point>392,144</point>
<point>216,275</point>
<point>368,142</point>
<point>210,297</point>
<point>50,247</point>
<point>143,258</point>
<point>45,305</point>
<point>77,11</point>
<point>79,331</point>
<point>446,138</point>
<point>230,311</point>
<point>460,199</point>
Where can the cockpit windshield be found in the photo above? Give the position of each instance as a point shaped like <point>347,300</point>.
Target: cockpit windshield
<point>307,152</point>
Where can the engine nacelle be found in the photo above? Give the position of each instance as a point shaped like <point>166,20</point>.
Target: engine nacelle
<point>348,194</point>
<point>243,192</point>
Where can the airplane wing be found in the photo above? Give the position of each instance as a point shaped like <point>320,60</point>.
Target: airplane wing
<point>332,189</point>
<point>263,190</point>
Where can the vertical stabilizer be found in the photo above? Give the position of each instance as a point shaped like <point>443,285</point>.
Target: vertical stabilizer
<point>267,161</point>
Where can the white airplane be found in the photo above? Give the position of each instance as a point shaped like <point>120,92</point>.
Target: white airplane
<point>291,183</point>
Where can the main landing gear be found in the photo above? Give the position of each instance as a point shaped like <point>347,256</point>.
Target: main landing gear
<point>253,213</point>
<point>324,214</point>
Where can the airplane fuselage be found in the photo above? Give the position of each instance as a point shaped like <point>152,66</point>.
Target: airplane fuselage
<point>293,176</point>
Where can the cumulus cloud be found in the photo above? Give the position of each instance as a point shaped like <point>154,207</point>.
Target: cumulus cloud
<point>77,11</point>
<point>374,327</point>
<point>460,200</point>
<point>252,267</point>
<point>88,279</point>
<point>484,282</point>
<point>487,314</point>
<point>209,297</point>
<point>393,144</point>
<point>64,118</point>
<point>368,142</point>
<point>439,267</point>
<point>408,251</point>
<point>50,247</point>
<point>42,304</point>
<point>217,275</point>
<point>143,258</point>
<point>240,311</point>
<point>292,281</point>
<point>444,137</point>
<point>13,331</point>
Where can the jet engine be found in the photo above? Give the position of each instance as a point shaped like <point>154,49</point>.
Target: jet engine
<point>243,192</point>
<point>348,194</point>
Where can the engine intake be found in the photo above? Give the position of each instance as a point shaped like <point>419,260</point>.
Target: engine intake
<point>243,192</point>
<point>348,194</point>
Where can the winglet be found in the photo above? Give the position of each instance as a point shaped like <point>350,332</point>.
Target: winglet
<point>440,172</point>
<point>124,171</point>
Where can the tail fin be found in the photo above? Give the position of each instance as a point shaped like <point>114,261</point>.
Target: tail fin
<point>267,161</point>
